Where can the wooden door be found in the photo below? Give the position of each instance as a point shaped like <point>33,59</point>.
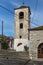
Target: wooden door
<point>40,51</point>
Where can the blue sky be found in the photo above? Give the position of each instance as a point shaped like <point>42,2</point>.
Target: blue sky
<point>8,18</point>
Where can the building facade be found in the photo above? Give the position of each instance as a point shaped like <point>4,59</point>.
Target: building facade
<point>25,36</point>
<point>36,43</point>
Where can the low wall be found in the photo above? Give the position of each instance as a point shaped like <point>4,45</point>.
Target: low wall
<point>13,54</point>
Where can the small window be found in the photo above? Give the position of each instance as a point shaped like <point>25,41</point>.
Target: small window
<point>20,36</point>
<point>21,25</point>
<point>21,15</point>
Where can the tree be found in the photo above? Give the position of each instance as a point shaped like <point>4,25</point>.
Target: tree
<point>5,44</point>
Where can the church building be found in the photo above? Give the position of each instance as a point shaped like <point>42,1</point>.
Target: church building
<point>32,38</point>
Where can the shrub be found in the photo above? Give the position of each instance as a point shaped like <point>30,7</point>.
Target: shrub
<point>5,44</point>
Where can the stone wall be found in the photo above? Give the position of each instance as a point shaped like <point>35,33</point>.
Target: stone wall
<point>26,23</point>
<point>11,54</point>
<point>36,38</point>
<point>21,32</point>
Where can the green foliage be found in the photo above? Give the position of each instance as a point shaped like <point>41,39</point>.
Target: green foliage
<point>5,44</point>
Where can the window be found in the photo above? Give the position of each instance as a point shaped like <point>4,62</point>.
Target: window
<point>21,15</point>
<point>20,36</point>
<point>21,25</point>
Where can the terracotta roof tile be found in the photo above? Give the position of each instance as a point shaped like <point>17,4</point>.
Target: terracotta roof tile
<point>37,28</point>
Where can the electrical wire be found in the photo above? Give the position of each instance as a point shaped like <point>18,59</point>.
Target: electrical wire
<point>6,9</point>
<point>35,9</point>
<point>30,21</point>
<point>17,15</point>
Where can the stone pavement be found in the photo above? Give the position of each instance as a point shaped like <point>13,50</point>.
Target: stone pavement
<point>18,61</point>
<point>16,58</point>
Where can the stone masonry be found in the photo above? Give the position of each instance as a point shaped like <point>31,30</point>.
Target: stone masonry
<point>36,38</point>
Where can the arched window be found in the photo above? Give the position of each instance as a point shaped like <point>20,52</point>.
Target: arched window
<point>21,25</point>
<point>21,15</point>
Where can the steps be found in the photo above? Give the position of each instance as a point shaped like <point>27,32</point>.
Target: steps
<point>13,54</point>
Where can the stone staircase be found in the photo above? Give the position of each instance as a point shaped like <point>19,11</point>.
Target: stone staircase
<point>9,54</point>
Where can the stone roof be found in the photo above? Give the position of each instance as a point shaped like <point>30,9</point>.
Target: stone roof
<point>23,7</point>
<point>37,28</point>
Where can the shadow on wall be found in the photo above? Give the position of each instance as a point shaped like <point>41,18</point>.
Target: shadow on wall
<point>26,48</point>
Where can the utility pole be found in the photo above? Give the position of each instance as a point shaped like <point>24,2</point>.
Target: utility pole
<point>2,30</point>
<point>2,37</point>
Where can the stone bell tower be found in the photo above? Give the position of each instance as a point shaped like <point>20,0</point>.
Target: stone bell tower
<point>22,23</point>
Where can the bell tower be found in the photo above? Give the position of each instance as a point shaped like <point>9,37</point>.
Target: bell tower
<point>22,23</point>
